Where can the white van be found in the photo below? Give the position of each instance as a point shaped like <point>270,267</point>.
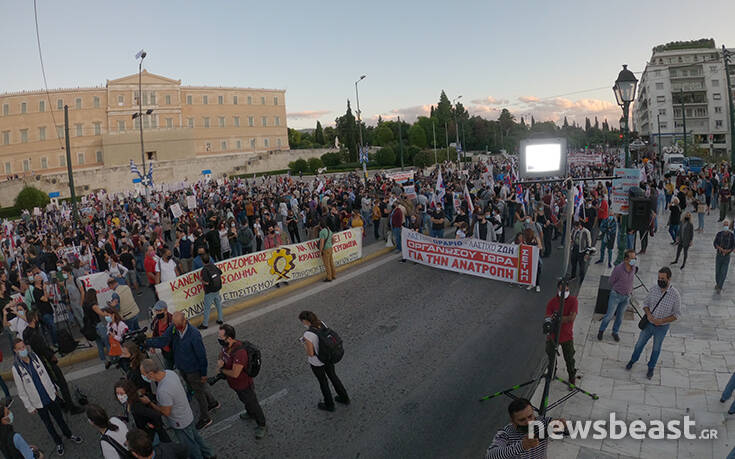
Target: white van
<point>675,163</point>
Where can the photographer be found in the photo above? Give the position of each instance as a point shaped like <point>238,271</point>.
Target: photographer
<point>512,441</point>
<point>566,336</point>
<point>233,360</point>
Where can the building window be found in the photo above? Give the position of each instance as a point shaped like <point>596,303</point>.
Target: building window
<point>121,125</point>
<point>59,104</point>
<point>662,111</point>
<point>26,165</point>
<point>154,121</point>
<point>712,68</point>
<point>120,100</point>
<point>266,143</point>
<point>718,109</point>
<point>80,157</point>
<point>252,144</point>
<point>205,100</point>
<point>78,103</point>
<point>264,121</point>
<point>716,96</point>
<point>8,168</point>
<point>251,121</point>
<point>236,121</point>
<point>6,109</point>
<point>275,100</point>
<point>191,122</point>
<point>98,128</point>
<point>262,100</point>
<point>153,98</point>
<point>96,102</point>
<point>42,133</point>
<point>23,107</point>
<point>238,144</point>
<point>100,159</point>
<point>78,129</point>
<point>221,121</point>
<point>660,99</point>
<point>62,160</point>
<point>6,137</point>
<point>250,100</point>
<point>223,145</point>
<point>60,132</point>
<point>220,100</point>
<point>168,100</point>
<point>659,86</point>
<point>44,162</point>
<point>42,106</point>
<point>699,111</point>
<point>208,146</point>
<point>718,124</point>
<point>234,100</point>
<point>278,120</point>
<point>169,123</point>
<point>657,72</point>
<point>278,142</point>
<point>206,122</point>
<point>146,122</point>
<point>24,136</point>
<point>188,100</point>
<point>715,83</point>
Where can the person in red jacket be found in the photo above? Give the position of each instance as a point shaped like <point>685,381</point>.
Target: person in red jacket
<point>566,336</point>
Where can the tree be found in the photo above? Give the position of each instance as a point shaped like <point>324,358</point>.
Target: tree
<point>566,123</point>
<point>597,124</point>
<point>417,136</point>
<point>294,138</point>
<point>383,135</point>
<point>347,133</point>
<point>386,156</point>
<point>319,134</point>
<point>331,159</point>
<point>329,135</point>
<point>315,164</point>
<point>533,121</point>
<point>587,124</point>
<point>300,165</point>
<point>30,197</point>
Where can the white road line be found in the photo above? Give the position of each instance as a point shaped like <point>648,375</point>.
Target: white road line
<point>99,368</point>
<point>226,423</point>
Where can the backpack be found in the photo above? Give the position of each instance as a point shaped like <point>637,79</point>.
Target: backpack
<point>254,360</point>
<point>67,343</point>
<point>215,277</point>
<point>121,451</point>
<point>330,344</point>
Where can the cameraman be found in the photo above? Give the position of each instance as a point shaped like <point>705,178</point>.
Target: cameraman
<point>566,336</point>
<point>233,360</point>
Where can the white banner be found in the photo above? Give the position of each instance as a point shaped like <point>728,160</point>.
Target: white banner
<point>191,202</point>
<point>504,262</point>
<point>400,177</point>
<point>97,281</point>
<point>626,179</point>
<point>176,210</point>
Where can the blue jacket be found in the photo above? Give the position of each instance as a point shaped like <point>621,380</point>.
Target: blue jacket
<point>189,353</point>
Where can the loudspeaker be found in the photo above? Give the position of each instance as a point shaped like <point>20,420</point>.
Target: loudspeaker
<point>603,295</point>
<point>640,213</point>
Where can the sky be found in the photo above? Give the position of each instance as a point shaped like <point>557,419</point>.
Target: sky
<point>537,58</point>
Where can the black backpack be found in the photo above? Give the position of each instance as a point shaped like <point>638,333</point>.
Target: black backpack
<point>215,277</point>
<point>254,360</point>
<point>330,344</point>
<point>67,343</point>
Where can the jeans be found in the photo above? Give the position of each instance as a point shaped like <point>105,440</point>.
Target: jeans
<point>236,248</point>
<point>327,371</point>
<point>397,237</point>
<point>376,229</point>
<point>252,407</point>
<point>201,394</point>
<point>630,240</point>
<point>47,321</point>
<point>658,333</point>
<point>101,341</point>
<point>567,350</point>
<point>132,323</point>
<point>609,246</point>
<point>700,219</point>
<point>437,233</point>
<point>674,231</point>
<point>54,410</point>
<point>727,393</point>
<point>724,208</point>
<point>615,305</point>
<point>722,263</point>
<point>189,436</point>
<point>208,299</point>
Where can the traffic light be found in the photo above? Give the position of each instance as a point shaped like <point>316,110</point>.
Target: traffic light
<point>621,136</point>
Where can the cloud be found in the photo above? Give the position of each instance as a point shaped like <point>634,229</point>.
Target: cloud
<point>308,114</point>
<point>557,108</point>
<point>408,114</point>
<point>529,99</point>
<point>489,100</point>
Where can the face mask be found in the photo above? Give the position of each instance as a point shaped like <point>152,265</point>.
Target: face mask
<point>633,262</point>
<point>123,398</point>
<point>222,342</point>
<point>566,294</point>
<point>66,276</point>
<point>108,319</point>
<point>726,228</point>
<point>146,379</point>
<point>23,353</point>
<point>160,315</point>
<point>663,283</point>
<point>10,417</point>
<point>181,329</point>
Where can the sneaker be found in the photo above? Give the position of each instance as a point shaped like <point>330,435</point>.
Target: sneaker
<point>107,364</point>
<point>538,288</point>
<point>609,265</point>
<point>629,366</point>
<point>60,449</point>
<point>530,287</point>
<point>260,432</point>
<point>344,401</point>
<point>203,327</point>
<point>616,337</point>
<point>649,373</point>
<point>674,262</point>
<point>323,406</point>
<point>76,439</point>
<point>215,406</point>
<point>245,416</point>
<point>599,336</point>
<point>722,400</point>
<point>204,423</point>
<point>220,322</point>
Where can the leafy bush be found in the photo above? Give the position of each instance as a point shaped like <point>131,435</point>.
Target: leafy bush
<point>300,165</point>
<point>9,212</point>
<point>386,156</point>
<point>30,197</point>
<point>314,164</point>
<point>331,159</point>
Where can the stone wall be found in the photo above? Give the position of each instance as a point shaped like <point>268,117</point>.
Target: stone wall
<point>118,178</point>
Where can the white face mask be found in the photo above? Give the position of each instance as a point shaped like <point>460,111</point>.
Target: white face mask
<point>726,228</point>
<point>123,398</point>
<point>566,294</point>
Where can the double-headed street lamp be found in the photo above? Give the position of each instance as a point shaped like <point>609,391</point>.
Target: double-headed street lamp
<point>141,55</point>
<point>456,127</point>
<point>624,89</point>
<point>359,127</point>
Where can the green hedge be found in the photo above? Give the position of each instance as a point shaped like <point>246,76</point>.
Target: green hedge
<point>9,212</point>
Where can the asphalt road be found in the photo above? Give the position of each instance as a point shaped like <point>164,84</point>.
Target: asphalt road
<point>422,346</point>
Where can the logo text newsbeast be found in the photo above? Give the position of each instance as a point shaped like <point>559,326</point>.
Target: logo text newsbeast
<point>616,429</point>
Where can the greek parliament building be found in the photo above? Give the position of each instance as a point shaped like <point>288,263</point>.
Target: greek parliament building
<point>186,123</point>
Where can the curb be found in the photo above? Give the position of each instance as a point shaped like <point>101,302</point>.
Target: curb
<point>90,354</point>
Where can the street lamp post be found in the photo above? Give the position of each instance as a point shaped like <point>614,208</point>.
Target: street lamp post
<point>726,55</point>
<point>141,55</point>
<point>359,126</point>
<point>683,118</point>
<point>624,89</point>
<point>456,127</point>
<point>658,121</point>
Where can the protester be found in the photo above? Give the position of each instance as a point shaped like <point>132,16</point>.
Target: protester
<point>212,280</point>
<point>124,303</point>
<point>581,242</point>
<point>608,231</point>
<point>686,236</point>
<point>12,444</point>
<point>162,320</point>
<point>141,447</point>
<point>724,244</point>
<point>621,286</point>
<point>112,430</point>
<point>325,248</point>
<point>138,414</point>
<point>95,325</point>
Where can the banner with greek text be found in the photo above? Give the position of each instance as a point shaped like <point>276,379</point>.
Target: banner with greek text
<point>97,281</point>
<point>504,262</point>
<point>259,271</point>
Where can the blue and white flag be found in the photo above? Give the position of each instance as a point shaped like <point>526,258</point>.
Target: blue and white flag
<point>134,169</point>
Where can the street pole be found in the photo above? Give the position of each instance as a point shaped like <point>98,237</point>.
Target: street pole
<point>726,58</point>
<point>446,138</point>
<point>623,233</point>
<point>400,140</point>
<point>433,131</point>
<point>683,118</point>
<point>75,211</point>
<point>140,121</point>
<point>658,120</point>
<point>359,127</point>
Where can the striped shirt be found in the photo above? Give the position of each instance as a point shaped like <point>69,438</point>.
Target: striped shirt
<point>507,445</point>
<point>669,306</point>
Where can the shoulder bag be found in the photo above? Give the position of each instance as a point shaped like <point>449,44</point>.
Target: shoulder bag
<point>644,320</point>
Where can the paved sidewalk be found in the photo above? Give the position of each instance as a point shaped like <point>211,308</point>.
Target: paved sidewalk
<point>695,364</point>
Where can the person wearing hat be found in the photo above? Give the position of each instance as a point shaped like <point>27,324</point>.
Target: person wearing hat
<point>124,303</point>
<point>162,319</point>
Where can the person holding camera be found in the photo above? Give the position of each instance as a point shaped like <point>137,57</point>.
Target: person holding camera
<point>513,441</point>
<point>566,335</point>
<point>232,363</point>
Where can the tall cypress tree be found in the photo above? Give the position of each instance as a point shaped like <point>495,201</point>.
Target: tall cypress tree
<point>319,134</point>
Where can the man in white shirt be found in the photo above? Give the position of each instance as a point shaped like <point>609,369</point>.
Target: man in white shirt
<point>166,268</point>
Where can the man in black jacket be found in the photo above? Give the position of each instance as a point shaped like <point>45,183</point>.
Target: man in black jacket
<point>212,280</point>
<point>32,336</point>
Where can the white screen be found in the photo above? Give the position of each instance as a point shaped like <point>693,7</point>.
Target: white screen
<point>543,157</point>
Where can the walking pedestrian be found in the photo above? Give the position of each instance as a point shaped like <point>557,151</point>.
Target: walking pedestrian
<point>674,219</point>
<point>724,244</point>
<point>662,306</point>
<point>581,241</point>
<point>621,286</point>
<point>686,236</point>
<point>212,281</point>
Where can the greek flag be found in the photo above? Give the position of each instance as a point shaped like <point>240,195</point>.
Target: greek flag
<point>149,176</point>
<point>134,169</point>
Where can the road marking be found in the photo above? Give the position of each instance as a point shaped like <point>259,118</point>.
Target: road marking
<point>99,368</point>
<point>226,423</point>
